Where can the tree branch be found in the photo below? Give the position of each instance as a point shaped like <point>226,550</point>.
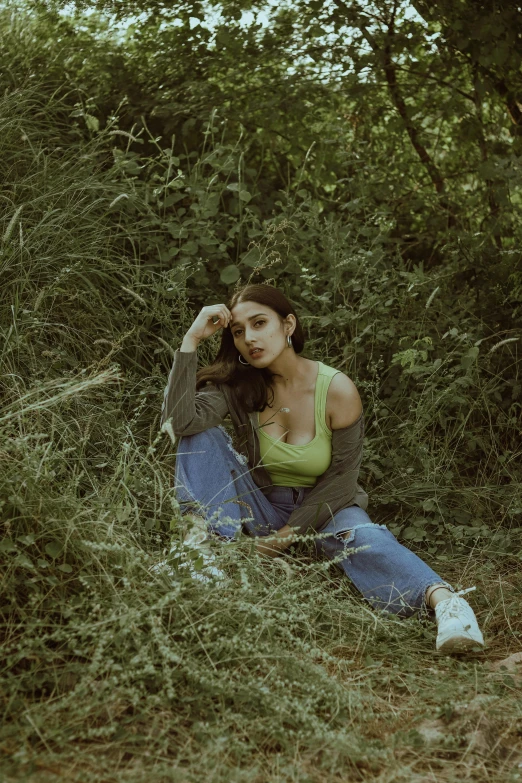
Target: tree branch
<point>494,207</point>
<point>436,79</point>
<point>390,72</point>
<point>512,104</point>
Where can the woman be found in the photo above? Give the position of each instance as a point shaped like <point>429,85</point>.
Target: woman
<point>299,426</point>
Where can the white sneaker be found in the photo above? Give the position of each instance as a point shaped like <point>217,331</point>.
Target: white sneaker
<point>458,629</point>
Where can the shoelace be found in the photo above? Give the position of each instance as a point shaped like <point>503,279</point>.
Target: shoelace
<point>452,605</point>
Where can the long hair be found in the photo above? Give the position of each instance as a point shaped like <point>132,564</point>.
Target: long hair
<point>251,386</point>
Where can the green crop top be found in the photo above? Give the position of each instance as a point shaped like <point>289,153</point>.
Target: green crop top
<point>300,466</point>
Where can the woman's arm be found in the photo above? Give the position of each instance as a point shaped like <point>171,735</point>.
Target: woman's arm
<point>188,411</point>
<point>343,404</point>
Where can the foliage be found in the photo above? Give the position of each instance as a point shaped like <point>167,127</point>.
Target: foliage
<point>146,171</point>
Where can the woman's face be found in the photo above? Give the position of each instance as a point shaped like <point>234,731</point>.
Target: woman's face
<point>259,333</point>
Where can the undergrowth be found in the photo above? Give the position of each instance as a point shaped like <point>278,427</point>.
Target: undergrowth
<point>113,672</point>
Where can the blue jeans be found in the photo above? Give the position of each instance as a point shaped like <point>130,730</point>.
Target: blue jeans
<point>214,480</point>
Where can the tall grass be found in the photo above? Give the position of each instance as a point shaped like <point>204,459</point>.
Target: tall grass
<point>113,672</point>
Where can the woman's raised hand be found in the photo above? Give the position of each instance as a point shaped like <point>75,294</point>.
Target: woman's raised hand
<point>209,320</point>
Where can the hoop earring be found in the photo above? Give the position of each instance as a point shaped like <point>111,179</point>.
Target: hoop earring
<point>289,343</point>
<point>245,364</point>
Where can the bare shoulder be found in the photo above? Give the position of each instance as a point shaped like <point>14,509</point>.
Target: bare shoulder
<point>343,405</point>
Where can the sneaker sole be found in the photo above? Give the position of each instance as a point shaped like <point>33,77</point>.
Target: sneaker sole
<point>460,644</point>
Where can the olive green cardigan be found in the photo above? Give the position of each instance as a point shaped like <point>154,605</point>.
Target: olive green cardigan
<point>190,412</point>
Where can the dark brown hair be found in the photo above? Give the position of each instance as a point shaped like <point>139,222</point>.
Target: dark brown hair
<point>252,386</point>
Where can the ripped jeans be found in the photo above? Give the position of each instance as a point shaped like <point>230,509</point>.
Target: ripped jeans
<point>214,480</point>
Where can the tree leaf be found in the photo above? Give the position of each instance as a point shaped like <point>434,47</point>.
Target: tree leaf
<point>469,357</point>
<point>487,170</point>
<point>410,533</point>
<point>190,247</point>
<point>92,123</point>
<point>229,274</point>
<point>7,545</point>
<point>177,231</point>
<point>53,549</point>
<point>252,258</point>
<point>28,540</point>
<point>24,561</point>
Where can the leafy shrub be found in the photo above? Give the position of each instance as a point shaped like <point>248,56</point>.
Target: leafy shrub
<point>112,235</point>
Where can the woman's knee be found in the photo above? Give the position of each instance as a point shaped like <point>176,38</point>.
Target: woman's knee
<point>212,441</point>
<point>212,435</point>
<point>345,521</point>
<point>369,541</point>
<point>366,531</point>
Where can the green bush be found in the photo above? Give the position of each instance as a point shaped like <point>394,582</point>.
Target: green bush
<point>114,230</point>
